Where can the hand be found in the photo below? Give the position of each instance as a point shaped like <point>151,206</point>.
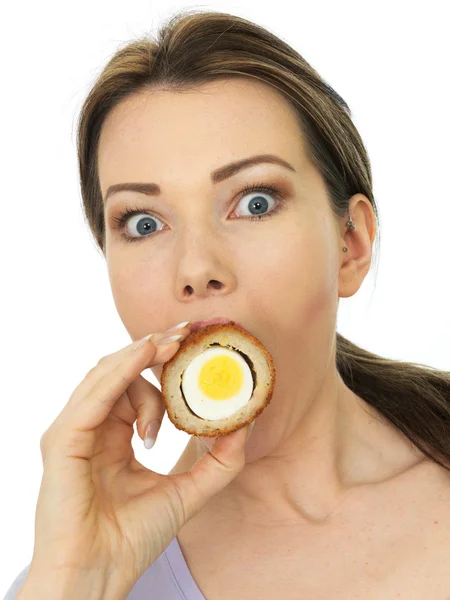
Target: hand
<point>101,510</point>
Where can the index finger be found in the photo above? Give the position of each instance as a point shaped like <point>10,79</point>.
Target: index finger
<point>106,363</point>
<point>91,409</point>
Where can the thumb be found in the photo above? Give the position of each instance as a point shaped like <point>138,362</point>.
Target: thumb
<point>208,442</point>
<point>213,471</point>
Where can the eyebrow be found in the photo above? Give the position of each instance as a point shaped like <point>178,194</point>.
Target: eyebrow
<point>218,175</point>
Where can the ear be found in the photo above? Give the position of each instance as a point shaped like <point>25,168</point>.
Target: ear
<point>355,263</point>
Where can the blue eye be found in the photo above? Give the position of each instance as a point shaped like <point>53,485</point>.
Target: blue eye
<point>146,225</point>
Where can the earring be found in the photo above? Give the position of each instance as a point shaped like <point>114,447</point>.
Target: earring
<point>350,225</point>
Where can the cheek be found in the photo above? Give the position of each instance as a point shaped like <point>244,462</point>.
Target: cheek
<point>295,295</point>
<point>137,291</point>
<point>294,282</point>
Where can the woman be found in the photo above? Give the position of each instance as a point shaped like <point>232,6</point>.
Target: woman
<point>343,489</point>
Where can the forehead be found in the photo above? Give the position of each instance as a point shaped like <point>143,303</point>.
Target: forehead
<point>160,132</point>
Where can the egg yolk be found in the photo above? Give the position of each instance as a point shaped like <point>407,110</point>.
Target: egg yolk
<point>220,378</point>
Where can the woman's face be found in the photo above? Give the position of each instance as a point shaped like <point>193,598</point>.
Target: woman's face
<point>193,252</point>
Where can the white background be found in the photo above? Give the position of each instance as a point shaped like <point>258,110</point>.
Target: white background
<point>389,61</point>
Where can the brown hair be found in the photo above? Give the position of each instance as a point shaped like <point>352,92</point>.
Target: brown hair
<point>195,47</point>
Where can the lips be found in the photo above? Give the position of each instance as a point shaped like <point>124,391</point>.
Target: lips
<point>199,324</point>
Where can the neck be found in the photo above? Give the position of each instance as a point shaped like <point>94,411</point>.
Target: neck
<point>302,465</point>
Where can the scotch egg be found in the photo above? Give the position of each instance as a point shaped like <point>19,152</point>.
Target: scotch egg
<point>220,379</point>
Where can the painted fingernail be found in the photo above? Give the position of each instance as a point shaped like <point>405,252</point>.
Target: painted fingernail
<point>249,430</point>
<point>168,340</point>
<point>179,326</point>
<point>143,340</point>
<point>207,441</point>
<point>150,434</point>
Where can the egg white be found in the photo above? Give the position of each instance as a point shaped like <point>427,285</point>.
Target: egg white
<point>208,408</point>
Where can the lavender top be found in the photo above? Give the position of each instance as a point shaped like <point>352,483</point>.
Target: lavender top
<point>168,578</point>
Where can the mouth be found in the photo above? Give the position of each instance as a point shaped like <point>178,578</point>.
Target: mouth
<point>199,324</point>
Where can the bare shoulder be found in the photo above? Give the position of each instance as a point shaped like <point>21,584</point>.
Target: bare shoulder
<point>393,541</point>
<point>428,490</point>
<point>434,479</point>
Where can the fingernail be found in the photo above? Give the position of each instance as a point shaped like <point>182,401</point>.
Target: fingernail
<point>207,441</point>
<point>179,326</point>
<point>150,434</point>
<point>172,338</point>
<point>250,429</point>
<point>143,340</point>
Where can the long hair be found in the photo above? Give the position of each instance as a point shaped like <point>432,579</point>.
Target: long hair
<point>196,47</point>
